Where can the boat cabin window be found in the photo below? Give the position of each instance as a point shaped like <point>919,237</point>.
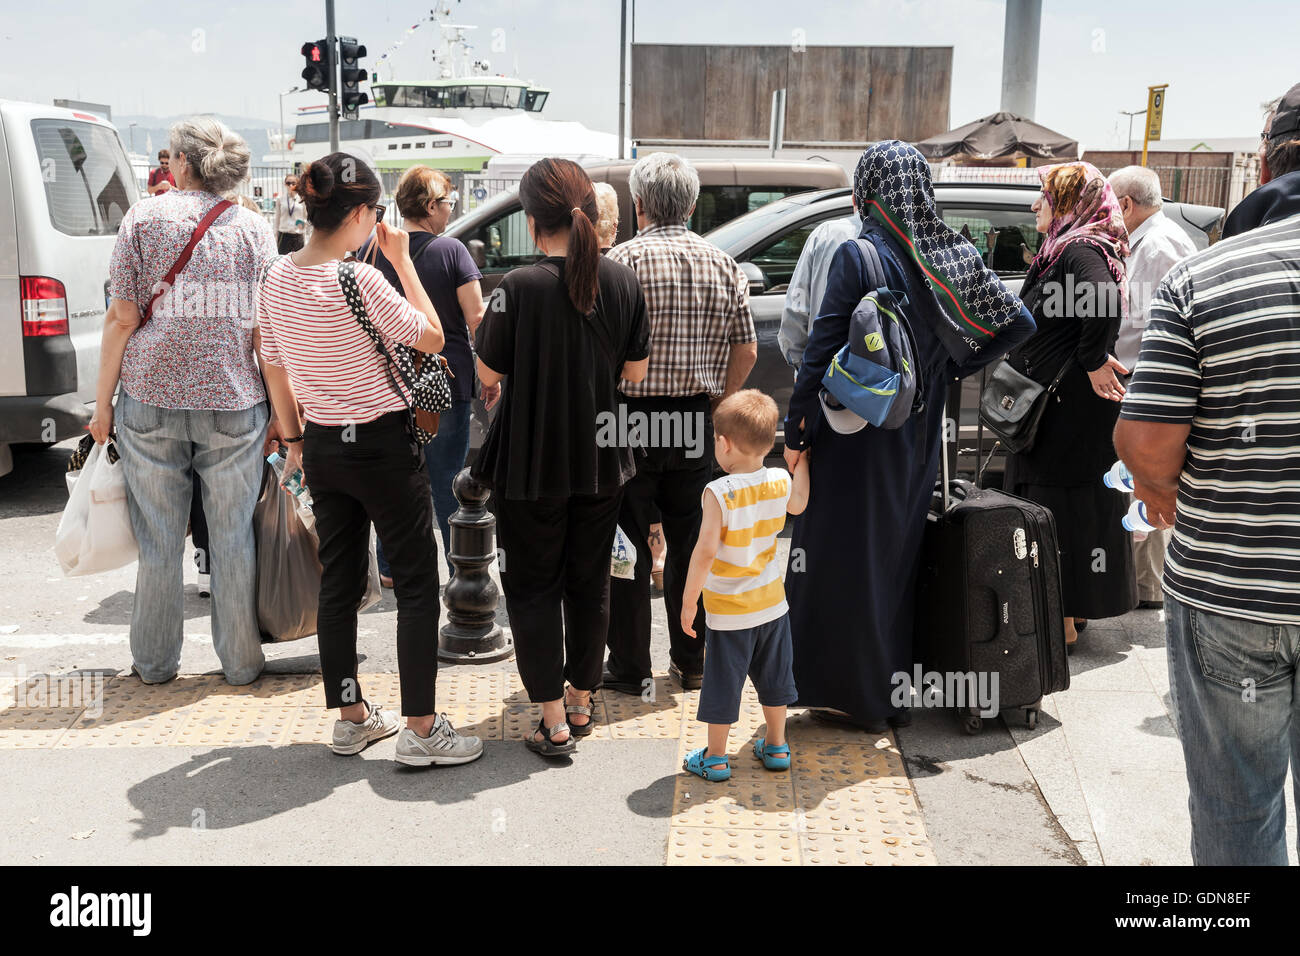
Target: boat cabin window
<point>534,100</point>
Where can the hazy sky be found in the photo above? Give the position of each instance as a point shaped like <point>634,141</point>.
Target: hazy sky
<point>234,56</point>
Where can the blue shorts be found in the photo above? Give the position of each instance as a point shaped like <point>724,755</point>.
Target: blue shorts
<point>764,653</point>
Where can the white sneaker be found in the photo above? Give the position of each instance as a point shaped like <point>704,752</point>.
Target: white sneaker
<point>205,585</point>
<point>350,738</point>
<point>442,746</point>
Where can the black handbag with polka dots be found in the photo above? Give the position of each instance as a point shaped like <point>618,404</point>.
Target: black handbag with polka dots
<point>427,377</point>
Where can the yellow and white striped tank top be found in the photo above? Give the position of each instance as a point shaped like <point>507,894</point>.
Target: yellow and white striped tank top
<point>744,587</point>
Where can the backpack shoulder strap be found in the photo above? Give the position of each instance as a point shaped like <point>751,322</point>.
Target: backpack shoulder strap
<point>871,258</point>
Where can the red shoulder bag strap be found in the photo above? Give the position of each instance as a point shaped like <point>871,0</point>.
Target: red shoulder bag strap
<point>183,259</point>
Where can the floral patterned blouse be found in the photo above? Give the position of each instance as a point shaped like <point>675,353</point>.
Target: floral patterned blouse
<point>196,349</point>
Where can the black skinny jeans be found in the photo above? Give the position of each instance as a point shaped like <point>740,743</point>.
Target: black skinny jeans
<point>555,574</point>
<point>379,476</point>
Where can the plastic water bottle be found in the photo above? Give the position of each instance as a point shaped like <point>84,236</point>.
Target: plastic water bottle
<point>1118,477</point>
<point>296,487</point>
<point>1136,519</point>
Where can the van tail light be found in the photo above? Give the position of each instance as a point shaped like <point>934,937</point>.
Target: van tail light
<point>45,306</point>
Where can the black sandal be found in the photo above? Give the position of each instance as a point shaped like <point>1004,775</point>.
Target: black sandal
<point>547,746</point>
<point>584,710</point>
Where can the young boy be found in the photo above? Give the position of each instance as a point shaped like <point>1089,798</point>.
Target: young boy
<point>734,564</point>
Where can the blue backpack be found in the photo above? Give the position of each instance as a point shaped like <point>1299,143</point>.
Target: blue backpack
<point>875,378</point>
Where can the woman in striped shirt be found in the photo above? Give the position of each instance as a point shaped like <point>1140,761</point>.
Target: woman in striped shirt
<point>356,452</point>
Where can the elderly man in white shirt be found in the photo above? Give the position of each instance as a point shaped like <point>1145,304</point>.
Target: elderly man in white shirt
<point>803,297</point>
<point>1156,244</point>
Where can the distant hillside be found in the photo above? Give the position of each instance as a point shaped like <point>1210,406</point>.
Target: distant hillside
<point>152,130</point>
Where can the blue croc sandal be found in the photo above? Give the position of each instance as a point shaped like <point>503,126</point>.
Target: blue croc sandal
<point>774,758</point>
<point>713,769</point>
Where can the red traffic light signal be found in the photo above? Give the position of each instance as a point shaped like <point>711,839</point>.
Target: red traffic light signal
<point>319,68</point>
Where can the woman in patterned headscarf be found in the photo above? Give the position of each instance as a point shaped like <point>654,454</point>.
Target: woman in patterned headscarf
<point>1076,289</point>
<point>856,549</point>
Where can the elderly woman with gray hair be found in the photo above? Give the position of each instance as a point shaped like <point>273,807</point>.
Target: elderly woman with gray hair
<point>179,340</point>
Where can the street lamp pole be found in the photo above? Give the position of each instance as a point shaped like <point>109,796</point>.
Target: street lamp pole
<point>284,158</point>
<point>1130,114</point>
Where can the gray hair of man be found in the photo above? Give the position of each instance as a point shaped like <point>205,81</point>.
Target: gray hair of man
<point>217,155</point>
<point>666,186</point>
<point>607,207</point>
<point>1139,184</point>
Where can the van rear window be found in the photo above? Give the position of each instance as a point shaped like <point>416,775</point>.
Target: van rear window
<point>86,176</point>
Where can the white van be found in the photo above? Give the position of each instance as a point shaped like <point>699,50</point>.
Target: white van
<point>65,184</point>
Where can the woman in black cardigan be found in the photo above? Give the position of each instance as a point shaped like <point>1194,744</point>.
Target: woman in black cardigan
<point>1076,291</point>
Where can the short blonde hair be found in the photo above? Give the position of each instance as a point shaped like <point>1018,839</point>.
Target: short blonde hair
<point>607,207</point>
<point>748,418</point>
<point>418,187</point>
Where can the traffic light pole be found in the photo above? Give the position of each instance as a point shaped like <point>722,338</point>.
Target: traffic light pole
<point>332,42</point>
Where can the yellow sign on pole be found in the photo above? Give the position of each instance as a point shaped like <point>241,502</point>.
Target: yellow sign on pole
<point>1155,116</point>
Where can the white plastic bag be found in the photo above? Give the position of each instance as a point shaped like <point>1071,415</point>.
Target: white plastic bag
<point>622,556</point>
<point>95,533</point>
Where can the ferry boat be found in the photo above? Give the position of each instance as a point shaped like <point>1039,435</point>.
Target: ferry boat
<point>464,119</point>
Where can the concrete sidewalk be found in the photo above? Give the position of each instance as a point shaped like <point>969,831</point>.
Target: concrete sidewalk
<point>197,771</point>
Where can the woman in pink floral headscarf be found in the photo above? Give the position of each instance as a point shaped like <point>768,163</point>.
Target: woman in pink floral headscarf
<point>1076,290</point>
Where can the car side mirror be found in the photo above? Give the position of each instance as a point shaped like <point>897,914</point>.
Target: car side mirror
<point>757,281</point>
<point>477,252</point>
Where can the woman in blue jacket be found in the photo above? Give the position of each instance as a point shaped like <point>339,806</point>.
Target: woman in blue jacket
<point>856,550</point>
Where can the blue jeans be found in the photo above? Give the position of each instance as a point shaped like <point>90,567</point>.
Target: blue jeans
<point>445,457</point>
<point>162,448</point>
<point>1237,708</point>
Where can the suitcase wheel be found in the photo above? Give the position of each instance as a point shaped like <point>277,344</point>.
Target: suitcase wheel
<point>1031,717</point>
<point>972,724</point>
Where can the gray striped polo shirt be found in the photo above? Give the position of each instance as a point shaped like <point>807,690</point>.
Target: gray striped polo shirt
<point>1222,354</point>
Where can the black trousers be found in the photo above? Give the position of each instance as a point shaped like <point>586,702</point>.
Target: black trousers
<point>199,529</point>
<point>555,573</point>
<point>376,474</point>
<point>672,481</point>
<point>287,242</point>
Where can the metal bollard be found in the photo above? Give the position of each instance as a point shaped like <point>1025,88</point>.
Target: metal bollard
<point>471,634</point>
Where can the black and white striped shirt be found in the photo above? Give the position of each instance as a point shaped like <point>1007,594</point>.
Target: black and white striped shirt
<point>1221,353</point>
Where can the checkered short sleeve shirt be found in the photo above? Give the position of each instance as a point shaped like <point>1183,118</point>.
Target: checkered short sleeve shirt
<point>698,302</point>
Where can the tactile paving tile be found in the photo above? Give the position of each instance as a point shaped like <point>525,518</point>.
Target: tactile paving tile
<point>689,846</point>
<point>272,690</point>
<point>181,692</point>
<point>68,691</point>
<point>234,727</point>
<point>888,848</point>
<point>825,767</point>
<point>749,726</point>
<point>311,725</point>
<point>126,722</point>
<point>751,800</point>
<point>632,718</point>
<point>25,729</point>
<point>801,726</point>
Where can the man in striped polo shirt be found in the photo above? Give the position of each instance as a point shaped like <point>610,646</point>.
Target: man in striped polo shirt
<point>1210,429</point>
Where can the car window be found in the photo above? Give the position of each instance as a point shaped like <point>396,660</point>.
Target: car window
<point>778,257</point>
<point>85,174</point>
<point>506,243</point>
<point>1006,237</point>
<point>719,204</point>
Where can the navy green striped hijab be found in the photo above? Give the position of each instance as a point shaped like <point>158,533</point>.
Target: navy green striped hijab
<point>892,186</point>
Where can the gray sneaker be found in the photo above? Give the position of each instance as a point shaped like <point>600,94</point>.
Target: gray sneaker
<point>442,746</point>
<point>350,738</point>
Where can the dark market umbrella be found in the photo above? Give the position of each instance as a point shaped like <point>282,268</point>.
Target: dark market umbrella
<point>1000,136</point>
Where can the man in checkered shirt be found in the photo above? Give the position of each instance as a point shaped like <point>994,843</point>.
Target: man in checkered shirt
<point>702,347</point>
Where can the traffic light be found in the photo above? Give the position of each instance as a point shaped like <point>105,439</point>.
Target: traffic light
<point>351,74</point>
<point>319,69</point>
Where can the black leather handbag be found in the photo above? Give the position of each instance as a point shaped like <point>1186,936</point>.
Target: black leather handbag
<point>1012,405</point>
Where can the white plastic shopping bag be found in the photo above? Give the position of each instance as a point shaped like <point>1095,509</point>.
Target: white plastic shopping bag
<point>622,556</point>
<point>95,533</point>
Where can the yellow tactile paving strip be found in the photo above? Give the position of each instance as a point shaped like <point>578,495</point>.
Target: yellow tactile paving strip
<point>846,799</point>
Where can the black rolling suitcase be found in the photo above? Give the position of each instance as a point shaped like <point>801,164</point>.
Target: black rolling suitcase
<point>989,600</point>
